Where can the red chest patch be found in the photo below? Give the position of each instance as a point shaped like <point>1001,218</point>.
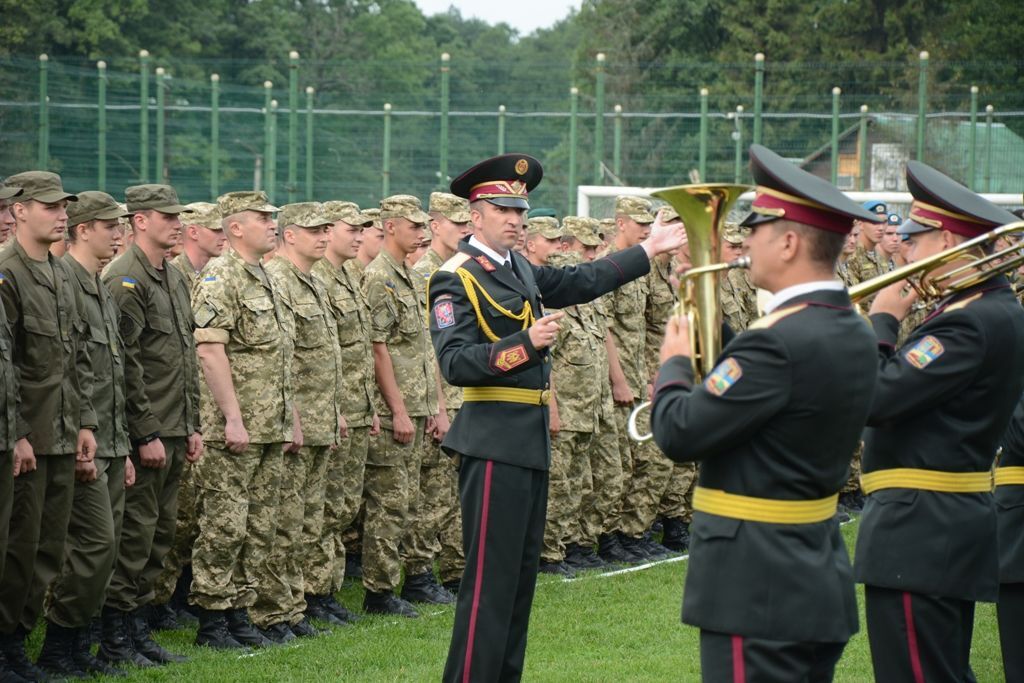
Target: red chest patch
<point>485,263</point>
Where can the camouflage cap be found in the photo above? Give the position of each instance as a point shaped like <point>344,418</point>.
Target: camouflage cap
<point>153,197</point>
<point>607,227</point>
<point>303,215</point>
<point>9,192</point>
<point>41,186</point>
<point>455,209</point>
<point>93,206</point>
<point>374,214</point>
<point>545,226</point>
<point>403,206</point>
<point>733,233</point>
<point>426,238</point>
<point>205,215</point>
<point>668,213</point>
<point>582,228</point>
<point>247,200</point>
<point>348,212</point>
<point>126,222</point>
<point>637,208</point>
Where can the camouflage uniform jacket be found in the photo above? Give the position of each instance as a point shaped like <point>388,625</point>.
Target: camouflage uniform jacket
<point>161,368</point>
<point>186,268</point>
<point>864,264</point>
<point>53,373</point>
<point>106,352</point>
<point>236,305</point>
<point>316,363</point>
<point>426,266</point>
<point>660,300</point>
<point>353,319</point>
<point>626,308</point>
<point>739,299</point>
<point>396,319</point>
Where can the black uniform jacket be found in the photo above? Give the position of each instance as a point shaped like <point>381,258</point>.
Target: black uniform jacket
<point>1010,504</point>
<point>944,400</point>
<point>513,433</point>
<point>778,418</point>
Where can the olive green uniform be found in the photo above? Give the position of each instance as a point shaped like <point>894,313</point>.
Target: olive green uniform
<point>8,431</point>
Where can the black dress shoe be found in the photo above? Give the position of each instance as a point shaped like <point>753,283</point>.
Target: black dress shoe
<point>387,602</point>
<point>242,630</point>
<point>279,633</point>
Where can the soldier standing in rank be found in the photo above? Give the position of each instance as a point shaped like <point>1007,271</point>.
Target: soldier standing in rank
<point>373,240</point>
<point>95,528</point>
<point>7,194</point>
<point>204,239</point>
<point>316,383</point>
<point>849,247</point>
<point>483,307</point>
<point>244,342</point>
<point>739,296</point>
<point>55,420</point>
<point>865,262</point>
<point>1009,495</point>
<point>439,485</point>
<point>344,492</point>
<point>162,389</point>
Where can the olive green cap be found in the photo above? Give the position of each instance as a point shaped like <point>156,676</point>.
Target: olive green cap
<point>348,212</point>
<point>246,200</point>
<point>455,209</point>
<point>303,215</point>
<point>545,226</point>
<point>153,197</point>
<point>41,186</point>
<point>637,208</point>
<point>9,192</point>
<point>403,206</point>
<point>94,206</point>
<point>582,228</point>
<point>205,215</point>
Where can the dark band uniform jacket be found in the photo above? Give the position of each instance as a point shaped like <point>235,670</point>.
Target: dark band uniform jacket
<point>774,425</point>
<point>1010,501</point>
<point>943,404</point>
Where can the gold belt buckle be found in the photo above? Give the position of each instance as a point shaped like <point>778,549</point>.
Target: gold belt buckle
<point>545,397</point>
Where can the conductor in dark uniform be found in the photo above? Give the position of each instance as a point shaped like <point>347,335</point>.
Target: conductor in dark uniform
<point>773,425</point>
<point>926,550</point>
<point>1010,517</point>
<point>486,310</point>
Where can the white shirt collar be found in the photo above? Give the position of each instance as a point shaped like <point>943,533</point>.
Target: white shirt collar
<point>784,295</point>
<point>503,260</point>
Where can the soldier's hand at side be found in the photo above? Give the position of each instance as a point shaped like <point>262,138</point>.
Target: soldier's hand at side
<point>664,237</point>
<point>86,449</point>
<point>152,454</point>
<point>554,422</point>
<point>296,443</point>
<point>622,394</point>
<point>342,428</point>
<point>403,430</point>
<point>85,471</point>
<point>441,426</point>
<point>677,338</point>
<point>129,473</point>
<point>235,436</point>
<point>195,447</point>
<point>24,457</point>
<point>894,301</point>
<point>375,425</point>
<point>544,331</point>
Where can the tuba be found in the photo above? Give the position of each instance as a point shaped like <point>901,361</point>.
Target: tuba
<point>702,208</point>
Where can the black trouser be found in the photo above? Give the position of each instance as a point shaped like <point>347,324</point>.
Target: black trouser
<point>503,510</point>
<point>6,501</point>
<point>917,637</point>
<point>738,659</point>
<point>1011,630</point>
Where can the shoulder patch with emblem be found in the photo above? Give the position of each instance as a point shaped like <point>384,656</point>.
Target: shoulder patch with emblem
<point>128,283</point>
<point>723,377</point>
<point>511,357</point>
<point>454,262</point>
<point>444,314</point>
<point>3,278</point>
<point>921,354</point>
<point>764,322</point>
<point>485,263</point>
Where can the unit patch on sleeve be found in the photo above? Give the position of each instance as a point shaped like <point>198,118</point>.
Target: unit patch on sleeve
<point>921,354</point>
<point>511,358</point>
<point>725,374</point>
<point>444,314</point>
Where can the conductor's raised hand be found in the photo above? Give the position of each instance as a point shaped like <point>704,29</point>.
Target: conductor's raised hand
<point>544,332</point>
<point>664,237</point>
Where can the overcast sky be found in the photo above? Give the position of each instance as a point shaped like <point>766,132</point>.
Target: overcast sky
<point>524,15</point>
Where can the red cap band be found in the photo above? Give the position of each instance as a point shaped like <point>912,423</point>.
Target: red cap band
<point>936,217</point>
<point>774,203</point>
<point>493,189</point>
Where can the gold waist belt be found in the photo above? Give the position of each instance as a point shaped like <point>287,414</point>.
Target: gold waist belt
<point>927,480</point>
<point>1006,476</point>
<point>534,397</point>
<point>766,510</point>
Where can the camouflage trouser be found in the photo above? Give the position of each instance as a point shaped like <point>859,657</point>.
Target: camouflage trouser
<point>677,501</point>
<point>185,532</point>
<point>428,509</point>
<point>325,568</point>
<point>646,476</point>
<point>452,560</point>
<point>853,483</point>
<point>147,532</point>
<point>599,509</point>
<point>568,482</point>
<point>237,523</point>
<point>391,481</point>
<point>90,548</point>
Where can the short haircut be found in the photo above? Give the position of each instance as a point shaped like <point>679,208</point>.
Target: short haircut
<point>823,246</point>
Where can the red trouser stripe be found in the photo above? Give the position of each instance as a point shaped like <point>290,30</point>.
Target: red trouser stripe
<point>485,507</point>
<point>739,669</point>
<point>915,654</point>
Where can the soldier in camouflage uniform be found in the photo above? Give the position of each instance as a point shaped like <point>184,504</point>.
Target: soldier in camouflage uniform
<point>204,239</point>
<point>244,341</point>
<point>865,263</point>
<point>849,247</point>
<point>645,468</point>
<point>316,387</point>
<point>373,240</point>
<point>344,491</point>
<point>55,420</point>
<point>405,371</point>
<point>739,296</point>
<point>607,230</point>
<point>439,483</point>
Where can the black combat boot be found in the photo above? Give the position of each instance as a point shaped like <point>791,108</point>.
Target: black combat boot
<point>242,630</point>
<point>316,608</point>
<point>654,550</point>
<point>183,611</point>
<point>634,546</point>
<point>82,654</point>
<point>143,641</point>
<point>579,557</point>
<point>162,618</point>
<point>304,629</point>
<point>55,657</point>
<point>116,645</point>
<point>610,549</point>
<point>353,566</point>
<point>279,633</point>
<point>676,535</point>
<point>386,602</point>
<point>556,568</point>
<point>337,609</point>
<point>425,588</point>
<point>213,631</point>
<point>7,675</point>
<point>452,586</point>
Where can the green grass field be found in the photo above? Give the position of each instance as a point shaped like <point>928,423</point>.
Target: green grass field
<point>596,628</point>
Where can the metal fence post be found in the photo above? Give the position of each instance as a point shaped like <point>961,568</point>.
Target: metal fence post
<point>758,95</point>
<point>272,162</point>
<point>161,123</point>
<point>574,106</point>
<point>43,160</point>
<point>214,135</point>
<point>501,129</point>
<point>702,148</point>
<point>442,177</point>
<point>143,116</point>
<point>862,149</point>
<point>988,147</point>
<point>310,92</point>
<point>385,190</point>
<point>836,92</point>
<point>737,136</point>
<point>617,143</point>
<point>268,96</point>
<point>972,174</point>
<point>922,103</point>
<point>101,126</point>
<point>599,119</point>
<point>293,126</point>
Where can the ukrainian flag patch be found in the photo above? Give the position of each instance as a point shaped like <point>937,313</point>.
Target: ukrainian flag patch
<point>921,354</point>
<point>3,278</point>
<point>128,283</point>
<point>723,377</point>
<point>210,278</point>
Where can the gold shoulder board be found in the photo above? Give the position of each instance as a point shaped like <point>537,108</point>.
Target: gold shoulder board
<point>767,321</point>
